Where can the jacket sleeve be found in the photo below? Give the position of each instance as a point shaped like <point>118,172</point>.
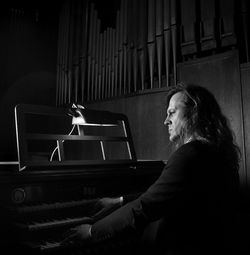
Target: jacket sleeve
<point>165,193</point>
<point>130,197</point>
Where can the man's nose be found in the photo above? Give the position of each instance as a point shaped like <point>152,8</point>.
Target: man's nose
<point>166,121</point>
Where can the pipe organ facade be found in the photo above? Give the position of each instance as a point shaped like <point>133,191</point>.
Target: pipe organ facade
<point>140,50</point>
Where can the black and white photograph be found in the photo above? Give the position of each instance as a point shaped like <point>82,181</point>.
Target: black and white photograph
<point>125,127</point>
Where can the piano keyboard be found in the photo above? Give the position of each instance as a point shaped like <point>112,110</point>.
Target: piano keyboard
<point>48,246</point>
<point>44,245</point>
<point>52,206</point>
<point>53,223</point>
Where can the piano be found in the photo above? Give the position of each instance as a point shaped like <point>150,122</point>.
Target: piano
<point>60,175</point>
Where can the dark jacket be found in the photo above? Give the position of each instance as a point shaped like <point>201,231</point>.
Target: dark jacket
<point>191,203</point>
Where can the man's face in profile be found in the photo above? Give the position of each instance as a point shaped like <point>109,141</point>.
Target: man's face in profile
<point>176,116</point>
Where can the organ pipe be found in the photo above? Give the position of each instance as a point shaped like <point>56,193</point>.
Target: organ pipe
<point>138,51</point>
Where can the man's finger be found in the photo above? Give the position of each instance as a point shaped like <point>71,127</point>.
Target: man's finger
<point>69,239</point>
<point>68,233</point>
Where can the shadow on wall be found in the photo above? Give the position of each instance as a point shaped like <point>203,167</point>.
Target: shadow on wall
<point>35,88</point>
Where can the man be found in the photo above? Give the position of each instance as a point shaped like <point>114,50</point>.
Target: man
<point>194,197</point>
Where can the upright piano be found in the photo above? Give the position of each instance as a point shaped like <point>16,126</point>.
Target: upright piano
<point>67,160</point>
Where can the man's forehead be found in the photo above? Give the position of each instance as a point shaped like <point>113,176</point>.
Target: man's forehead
<point>176,100</point>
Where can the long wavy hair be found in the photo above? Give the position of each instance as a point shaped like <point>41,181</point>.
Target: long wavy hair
<point>205,119</point>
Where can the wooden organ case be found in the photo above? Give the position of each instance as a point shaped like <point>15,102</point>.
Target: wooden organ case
<point>67,159</point>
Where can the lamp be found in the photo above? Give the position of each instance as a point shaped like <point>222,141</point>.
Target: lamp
<point>85,117</point>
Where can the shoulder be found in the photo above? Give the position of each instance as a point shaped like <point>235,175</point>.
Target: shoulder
<point>196,146</point>
<point>193,152</point>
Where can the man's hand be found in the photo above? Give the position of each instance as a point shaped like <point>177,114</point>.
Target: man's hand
<point>80,235</point>
<point>106,202</point>
<point>105,206</point>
